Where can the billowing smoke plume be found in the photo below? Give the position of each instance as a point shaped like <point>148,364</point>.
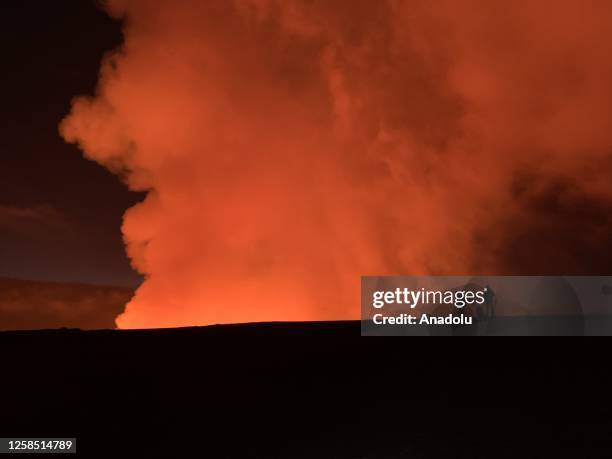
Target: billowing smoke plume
<point>291,146</point>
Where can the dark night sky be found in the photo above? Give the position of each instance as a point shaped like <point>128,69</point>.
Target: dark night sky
<point>60,214</point>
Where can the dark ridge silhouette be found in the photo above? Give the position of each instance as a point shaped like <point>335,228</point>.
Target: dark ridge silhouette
<point>305,390</point>
<point>265,329</point>
<point>42,305</point>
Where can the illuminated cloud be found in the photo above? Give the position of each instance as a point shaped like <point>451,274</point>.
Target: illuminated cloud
<point>290,147</point>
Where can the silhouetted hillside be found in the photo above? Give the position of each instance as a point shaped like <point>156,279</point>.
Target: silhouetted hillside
<point>43,305</point>
<point>306,391</point>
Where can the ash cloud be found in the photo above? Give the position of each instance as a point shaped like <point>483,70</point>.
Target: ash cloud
<point>289,147</point>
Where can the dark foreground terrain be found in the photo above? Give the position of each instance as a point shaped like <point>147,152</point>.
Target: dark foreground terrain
<point>307,391</point>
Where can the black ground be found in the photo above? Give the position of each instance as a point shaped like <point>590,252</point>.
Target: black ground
<point>307,391</point>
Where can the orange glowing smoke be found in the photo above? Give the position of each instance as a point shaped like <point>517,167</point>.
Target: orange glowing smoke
<point>291,146</point>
